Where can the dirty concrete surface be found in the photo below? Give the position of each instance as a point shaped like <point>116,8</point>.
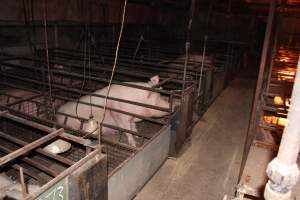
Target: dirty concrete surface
<point>208,167</point>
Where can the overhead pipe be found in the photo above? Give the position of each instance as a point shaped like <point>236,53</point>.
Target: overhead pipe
<point>283,171</point>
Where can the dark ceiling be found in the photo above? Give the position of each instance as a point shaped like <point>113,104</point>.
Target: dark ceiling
<point>233,6</point>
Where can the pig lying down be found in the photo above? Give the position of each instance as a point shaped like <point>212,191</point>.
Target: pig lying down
<point>12,190</point>
<point>114,118</point>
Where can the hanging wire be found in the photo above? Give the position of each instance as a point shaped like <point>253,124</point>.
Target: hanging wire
<point>112,75</point>
<point>47,57</point>
<point>113,71</point>
<point>84,71</point>
<point>89,81</point>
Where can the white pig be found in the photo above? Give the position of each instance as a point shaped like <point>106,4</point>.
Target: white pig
<point>114,118</point>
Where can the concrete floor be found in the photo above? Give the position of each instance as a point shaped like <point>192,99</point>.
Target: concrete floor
<point>209,166</point>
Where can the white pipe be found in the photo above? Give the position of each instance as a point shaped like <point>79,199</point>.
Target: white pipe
<point>290,142</point>
<point>283,171</point>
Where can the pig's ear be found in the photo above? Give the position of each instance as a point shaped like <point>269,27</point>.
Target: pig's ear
<point>154,80</point>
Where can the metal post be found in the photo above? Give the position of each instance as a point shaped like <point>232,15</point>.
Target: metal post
<point>55,40</point>
<point>187,43</point>
<point>255,106</point>
<point>137,49</point>
<point>23,186</point>
<point>283,171</point>
<point>202,65</point>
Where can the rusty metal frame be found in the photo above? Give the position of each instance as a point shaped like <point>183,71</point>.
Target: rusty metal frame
<point>22,152</point>
<point>29,147</point>
<point>44,188</point>
<point>261,79</point>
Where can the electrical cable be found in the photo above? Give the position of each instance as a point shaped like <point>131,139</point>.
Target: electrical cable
<point>112,73</point>
<point>47,56</point>
<point>84,75</point>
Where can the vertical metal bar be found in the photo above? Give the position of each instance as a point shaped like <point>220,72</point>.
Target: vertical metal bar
<point>274,50</point>
<point>137,48</point>
<point>55,40</point>
<point>263,62</point>
<point>266,47</point>
<point>23,186</point>
<point>202,65</point>
<point>187,44</point>
<point>171,106</point>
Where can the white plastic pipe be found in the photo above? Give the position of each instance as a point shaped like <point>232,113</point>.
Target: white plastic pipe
<point>283,171</point>
<point>290,142</point>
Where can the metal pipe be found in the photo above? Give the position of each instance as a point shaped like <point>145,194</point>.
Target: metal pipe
<point>169,68</point>
<point>137,48</point>
<point>29,147</point>
<point>39,150</point>
<point>255,106</point>
<point>283,171</point>
<point>202,65</point>
<point>95,105</point>
<point>79,92</point>
<point>188,44</point>
<point>94,154</point>
<point>23,186</point>
<point>42,180</point>
<point>41,127</point>
<point>142,65</point>
<point>145,64</point>
<point>53,123</point>
<point>128,84</point>
<point>150,62</point>
<point>32,162</point>
<point>86,93</point>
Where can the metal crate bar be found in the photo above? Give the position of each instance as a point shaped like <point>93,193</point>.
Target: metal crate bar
<point>30,146</point>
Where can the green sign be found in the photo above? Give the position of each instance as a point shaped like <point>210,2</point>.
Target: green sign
<point>59,191</point>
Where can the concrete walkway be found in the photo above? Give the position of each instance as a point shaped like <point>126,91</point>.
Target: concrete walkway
<point>209,166</point>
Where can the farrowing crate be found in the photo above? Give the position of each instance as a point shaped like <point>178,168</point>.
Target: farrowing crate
<point>58,176</point>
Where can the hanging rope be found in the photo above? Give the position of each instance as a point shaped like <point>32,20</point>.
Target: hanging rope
<point>84,70</point>
<point>87,38</point>
<point>47,57</point>
<point>111,77</point>
<point>113,71</point>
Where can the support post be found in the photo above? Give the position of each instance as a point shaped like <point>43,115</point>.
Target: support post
<point>262,71</point>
